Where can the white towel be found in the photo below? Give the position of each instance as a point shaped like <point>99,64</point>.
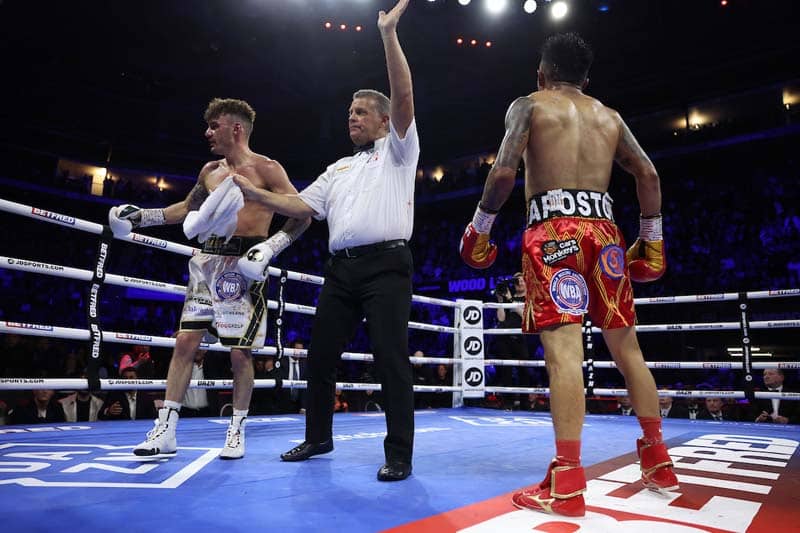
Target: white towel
<point>218,215</point>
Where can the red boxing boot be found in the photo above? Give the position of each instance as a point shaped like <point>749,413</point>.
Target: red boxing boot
<point>656,466</point>
<point>561,492</point>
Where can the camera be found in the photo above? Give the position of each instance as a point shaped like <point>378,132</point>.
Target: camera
<point>505,287</point>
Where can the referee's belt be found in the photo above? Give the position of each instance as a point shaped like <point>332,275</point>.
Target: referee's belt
<point>216,245</point>
<point>569,203</point>
<point>358,251</point>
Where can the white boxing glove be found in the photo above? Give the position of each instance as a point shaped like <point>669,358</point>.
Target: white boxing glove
<point>255,263</point>
<point>125,218</point>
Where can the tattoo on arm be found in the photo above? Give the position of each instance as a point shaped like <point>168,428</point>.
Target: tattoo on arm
<point>518,129</point>
<point>629,154</point>
<point>196,196</point>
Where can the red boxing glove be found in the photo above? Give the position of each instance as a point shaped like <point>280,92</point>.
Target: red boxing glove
<point>646,259</point>
<point>475,247</point>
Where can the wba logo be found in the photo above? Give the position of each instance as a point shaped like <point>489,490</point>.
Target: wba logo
<point>473,345</point>
<point>474,377</point>
<point>472,315</point>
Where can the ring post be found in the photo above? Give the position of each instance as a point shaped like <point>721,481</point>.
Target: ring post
<point>747,357</point>
<point>468,345</point>
<point>93,309</point>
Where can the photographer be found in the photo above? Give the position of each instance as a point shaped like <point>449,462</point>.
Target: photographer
<point>511,346</point>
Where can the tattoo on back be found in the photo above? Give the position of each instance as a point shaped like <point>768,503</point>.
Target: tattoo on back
<point>197,196</point>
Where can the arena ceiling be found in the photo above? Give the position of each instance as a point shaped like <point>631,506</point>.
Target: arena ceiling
<point>137,75</point>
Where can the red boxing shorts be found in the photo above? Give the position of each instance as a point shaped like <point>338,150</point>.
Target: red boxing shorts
<point>575,264</point>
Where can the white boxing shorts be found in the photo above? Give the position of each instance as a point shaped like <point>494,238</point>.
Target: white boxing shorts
<point>221,300</point>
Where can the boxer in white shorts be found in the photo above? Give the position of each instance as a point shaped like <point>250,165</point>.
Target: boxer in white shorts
<point>227,289</point>
<point>220,297</point>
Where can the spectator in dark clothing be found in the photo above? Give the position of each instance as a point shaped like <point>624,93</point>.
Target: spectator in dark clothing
<point>128,405</point>
<point>670,409</point>
<point>41,409</point>
<point>715,409</point>
<point>776,410</point>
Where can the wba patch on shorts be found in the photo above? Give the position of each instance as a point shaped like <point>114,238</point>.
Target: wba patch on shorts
<point>569,292</point>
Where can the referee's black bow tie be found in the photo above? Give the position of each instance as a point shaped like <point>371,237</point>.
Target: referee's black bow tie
<point>363,147</point>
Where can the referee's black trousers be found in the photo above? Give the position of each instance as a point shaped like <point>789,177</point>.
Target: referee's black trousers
<point>376,286</point>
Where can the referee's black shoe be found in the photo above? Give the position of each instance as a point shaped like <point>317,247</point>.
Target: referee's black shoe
<point>303,451</point>
<point>394,471</point>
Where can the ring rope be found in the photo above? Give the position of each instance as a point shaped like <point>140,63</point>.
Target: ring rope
<point>144,240</point>
<point>161,384</point>
<point>659,365</point>
<point>83,225</point>
<point>43,330</point>
<point>691,298</point>
<point>49,269</point>
<point>655,328</point>
<point>160,244</point>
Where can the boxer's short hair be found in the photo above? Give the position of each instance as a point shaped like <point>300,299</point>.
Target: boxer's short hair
<point>567,57</point>
<point>231,106</point>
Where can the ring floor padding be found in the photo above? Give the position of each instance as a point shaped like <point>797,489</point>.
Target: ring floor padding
<point>83,477</point>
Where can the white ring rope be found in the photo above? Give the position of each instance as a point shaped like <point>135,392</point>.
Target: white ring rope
<point>129,338</point>
<point>161,384</point>
<point>37,267</point>
<point>692,298</point>
<point>652,328</point>
<point>160,244</point>
<point>659,365</point>
<point>44,330</point>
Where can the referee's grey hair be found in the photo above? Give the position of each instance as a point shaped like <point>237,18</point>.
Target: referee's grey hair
<point>382,103</point>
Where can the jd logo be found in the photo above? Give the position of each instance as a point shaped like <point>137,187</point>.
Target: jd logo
<point>474,377</point>
<point>472,315</point>
<point>473,345</point>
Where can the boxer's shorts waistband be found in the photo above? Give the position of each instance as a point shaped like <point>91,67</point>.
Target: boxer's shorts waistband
<point>569,203</point>
<point>216,245</point>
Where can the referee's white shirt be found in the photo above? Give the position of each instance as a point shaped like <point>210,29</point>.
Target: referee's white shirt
<point>368,197</point>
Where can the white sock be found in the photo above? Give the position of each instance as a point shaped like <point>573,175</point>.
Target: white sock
<point>238,416</point>
<point>169,404</point>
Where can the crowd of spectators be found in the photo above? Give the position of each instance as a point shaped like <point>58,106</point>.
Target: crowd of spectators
<point>731,224</point>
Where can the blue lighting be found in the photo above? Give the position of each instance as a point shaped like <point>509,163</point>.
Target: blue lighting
<point>602,8</point>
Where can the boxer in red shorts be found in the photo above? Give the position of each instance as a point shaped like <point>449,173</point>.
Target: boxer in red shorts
<point>575,263</point>
<point>574,257</point>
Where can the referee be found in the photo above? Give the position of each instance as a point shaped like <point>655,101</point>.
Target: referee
<point>368,201</point>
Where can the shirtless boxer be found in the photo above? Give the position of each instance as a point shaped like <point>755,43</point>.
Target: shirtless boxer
<point>574,259</point>
<point>227,291</point>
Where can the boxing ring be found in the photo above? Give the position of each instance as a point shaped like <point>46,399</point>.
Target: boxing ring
<point>735,476</point>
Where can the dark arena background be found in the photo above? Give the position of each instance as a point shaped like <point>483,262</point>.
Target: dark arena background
<point>103,105</point>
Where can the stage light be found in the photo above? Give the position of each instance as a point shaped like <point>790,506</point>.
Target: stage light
<point>488,44</point>
<point>459,41</point>
<point>559,9</point>
<point>359,28</point>
<point>529,6</point>
<point>473,42</point>
<point>603,8</point>
<point>723,3</point>
<point>342,27</point>
<point>328,25</point>
<point>496,6</point>
<point>464,2</point>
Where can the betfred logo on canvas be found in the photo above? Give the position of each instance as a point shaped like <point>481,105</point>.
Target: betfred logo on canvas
<point>728,483</point>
